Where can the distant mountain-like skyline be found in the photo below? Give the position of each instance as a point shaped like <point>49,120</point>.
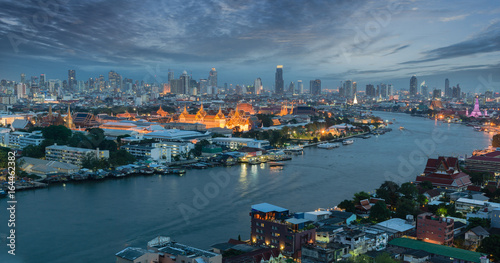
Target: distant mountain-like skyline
<point>366,41</point>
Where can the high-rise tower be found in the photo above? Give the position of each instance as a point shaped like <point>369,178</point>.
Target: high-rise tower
<point>413,86</point>
<point>279,87</point>
<point>212,78</point>
<point>71,78</point>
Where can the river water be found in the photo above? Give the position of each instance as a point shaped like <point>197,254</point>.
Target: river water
<point>91,221</point>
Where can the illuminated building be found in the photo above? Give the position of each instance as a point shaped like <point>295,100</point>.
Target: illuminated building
<point>274,226</point>
<point>435,229</point>
<point>476,113</point>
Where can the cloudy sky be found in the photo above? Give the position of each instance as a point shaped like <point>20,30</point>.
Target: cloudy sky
<point>367,41</point>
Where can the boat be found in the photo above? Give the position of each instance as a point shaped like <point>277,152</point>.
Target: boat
<point>328,145</point>
<point>366,136</point>
<point>276,164</point>
<point>2,193</point>
<point>294,150</point>
<point>401,128</point>
<point>348,142</point>
<point>254,161</point>
<point>177,171</point>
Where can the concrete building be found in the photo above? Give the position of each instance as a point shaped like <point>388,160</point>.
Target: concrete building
<point>235,143</point>
<point>44,168</point>
<point>73,155</point>
<point>174,148</point>
<point>173,252</point>
<point>19,140</point>
<point>435,229</point>
<point>146,152</point>
<point>136,255</point>
<point>275,227</point>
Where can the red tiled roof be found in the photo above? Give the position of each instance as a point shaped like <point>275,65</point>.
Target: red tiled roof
<point>456,180</point>
<point>474,188</point>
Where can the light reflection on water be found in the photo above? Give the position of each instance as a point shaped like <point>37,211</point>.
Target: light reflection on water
<point>135,210</point>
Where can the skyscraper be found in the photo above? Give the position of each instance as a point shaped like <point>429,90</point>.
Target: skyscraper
<point>23,78</point>
<point>170,75</point>
<point>71,78</point>
<point>348,88</point>
<point>212,78</point>
<point>185,81</point>
<point>42,80</point>
<point>257,83</point>
<point>279,86</point>
<point>447,89</point>
<point>315,87</point>
<point>291,88</point>
<point>424,89</point>
<point>413,86</point>
<point>370,90</point>
<point>300,87</point>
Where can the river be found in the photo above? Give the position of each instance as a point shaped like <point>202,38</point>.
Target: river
<point>91,221</point>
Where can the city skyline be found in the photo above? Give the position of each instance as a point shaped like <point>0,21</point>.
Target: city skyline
<point>367,42</point>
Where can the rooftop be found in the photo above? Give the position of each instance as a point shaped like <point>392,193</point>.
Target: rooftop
<point>266,208</point>
<point>438,249</point>
<point>131,253</point>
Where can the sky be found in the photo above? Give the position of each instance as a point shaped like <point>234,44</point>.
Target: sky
<point>366,41</point>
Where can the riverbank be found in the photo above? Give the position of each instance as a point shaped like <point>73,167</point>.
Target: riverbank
<point>130,210</point>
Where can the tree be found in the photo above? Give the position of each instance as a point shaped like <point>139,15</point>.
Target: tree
<point>56,133</point>
<point>389,192</point>
<point>266,119</point>
<point>348,206</point>
<point>409,190</point>
<point>426,185</point>
<point>490,246</point>
<point>361,196</point>
<point>405,207</point>
<point>198,147</point>
<point>422,200</point>
<point>34,151</point>
<point>4,156</point>
<point>385,258</point>
<point>495,141</point>
<point>379,212</point>
<point>120,157</point>
<point>475,221</point>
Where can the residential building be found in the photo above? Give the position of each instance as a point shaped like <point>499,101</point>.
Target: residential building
<point>19,140</point>
<point>332,253</point>
<point>174,252</point>
<point>495,218</point>
<point>396,227</point>
<point>354,238</point>
<point>73,155</point>
<point>440,251</point>
<point>276,227</point>
<point>146,152</point>
<point>467,205</point>
<point>173,148</point>
<point>435,229</point>
<point>475,235</point>
<point>235,143</point>
<point>136,255</point>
